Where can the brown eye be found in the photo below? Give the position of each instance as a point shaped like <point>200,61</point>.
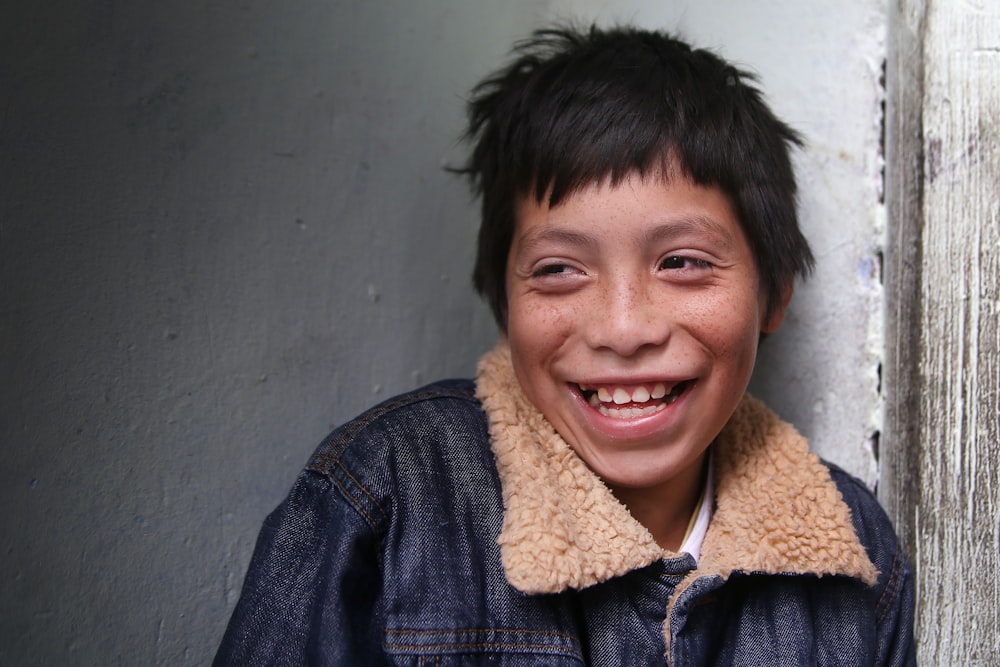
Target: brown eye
<point>551,270</point>
<point>675,262</point>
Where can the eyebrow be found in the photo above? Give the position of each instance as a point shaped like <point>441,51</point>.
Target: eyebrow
<point>556,235</point>
<point>699,225</point>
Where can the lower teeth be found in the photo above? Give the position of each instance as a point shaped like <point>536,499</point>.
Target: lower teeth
<point>630,413</point>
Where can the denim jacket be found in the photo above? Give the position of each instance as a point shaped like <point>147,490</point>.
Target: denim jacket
<point>409,540</point>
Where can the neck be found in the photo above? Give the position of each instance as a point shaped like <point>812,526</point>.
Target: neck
<point>665,510</point>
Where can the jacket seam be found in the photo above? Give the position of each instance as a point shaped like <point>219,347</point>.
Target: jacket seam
<point>549,648</point>
<point>523,631</point>
<point>441,645</point>
<point>487,645</point>
<point>372,523</point>
<point>891,587</point>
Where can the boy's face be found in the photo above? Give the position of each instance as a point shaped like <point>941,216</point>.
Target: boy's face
<point>634,317</point>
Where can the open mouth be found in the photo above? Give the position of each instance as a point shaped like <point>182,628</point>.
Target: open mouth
<point>620,402</point>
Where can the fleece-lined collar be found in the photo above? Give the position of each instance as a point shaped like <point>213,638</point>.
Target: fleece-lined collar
<point>777,509</point>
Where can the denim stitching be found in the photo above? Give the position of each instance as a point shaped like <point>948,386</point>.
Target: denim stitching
<point>493,645</point>
<point>891,585</point>
<point>548,633</point>
<point>355,502</point>
<point>363,489</point>
<point>572,649</point>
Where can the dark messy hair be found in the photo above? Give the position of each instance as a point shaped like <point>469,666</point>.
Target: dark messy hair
<point>577,106</point>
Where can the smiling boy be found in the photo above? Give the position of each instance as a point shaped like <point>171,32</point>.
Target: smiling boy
<point>605,492</point>
<point>633,318</point>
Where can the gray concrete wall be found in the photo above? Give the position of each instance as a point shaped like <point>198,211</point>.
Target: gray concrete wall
<point>224,228</point>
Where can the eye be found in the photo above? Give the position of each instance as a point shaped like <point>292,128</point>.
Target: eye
<point>556,276</point>
<point>680,262</point>
<point>551,270</point>
<point>556,270</point>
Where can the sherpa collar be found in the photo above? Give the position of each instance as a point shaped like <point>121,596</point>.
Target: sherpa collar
<point>777,509</point>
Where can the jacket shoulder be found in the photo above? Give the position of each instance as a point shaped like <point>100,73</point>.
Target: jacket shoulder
<point>419,444</point>
<point>406,417</point>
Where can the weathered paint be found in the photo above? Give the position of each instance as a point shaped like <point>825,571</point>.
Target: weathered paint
<point>942,474</point>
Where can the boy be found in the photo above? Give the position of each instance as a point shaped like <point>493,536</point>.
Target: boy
<point>604,493</point>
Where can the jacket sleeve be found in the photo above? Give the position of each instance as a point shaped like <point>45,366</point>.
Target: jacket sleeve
<point>310,594</point>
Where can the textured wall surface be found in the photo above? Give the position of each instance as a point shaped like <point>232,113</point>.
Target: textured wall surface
<point>224,228</point>
<point>942,473</point>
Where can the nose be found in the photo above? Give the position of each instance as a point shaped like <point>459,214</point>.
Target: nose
<point>626,318</point>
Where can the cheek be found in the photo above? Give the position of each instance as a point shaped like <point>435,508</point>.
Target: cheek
<point>538,323</point>
<point>527,333</point>
<point>729,325</point>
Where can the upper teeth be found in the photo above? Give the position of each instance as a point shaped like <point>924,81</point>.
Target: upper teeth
<point>620,396</point>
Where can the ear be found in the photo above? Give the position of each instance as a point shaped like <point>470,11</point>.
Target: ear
<point>773,321</point>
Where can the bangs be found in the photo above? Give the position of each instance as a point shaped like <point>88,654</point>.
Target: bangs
<point>603,107</point>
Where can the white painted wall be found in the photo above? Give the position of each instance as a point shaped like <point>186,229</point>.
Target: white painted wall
<point>225,228</point>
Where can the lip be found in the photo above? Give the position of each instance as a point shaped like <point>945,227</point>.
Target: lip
<point>636,428</point>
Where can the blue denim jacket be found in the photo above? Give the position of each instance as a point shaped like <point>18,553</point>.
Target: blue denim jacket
<point>386,553</point>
